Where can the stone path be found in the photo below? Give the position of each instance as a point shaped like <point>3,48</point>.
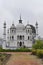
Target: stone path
<point>23,58</point>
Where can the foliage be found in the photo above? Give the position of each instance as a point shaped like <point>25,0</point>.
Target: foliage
<point>3,58</point>
<point>16,50</point>
<point>40,53</point>
<point>33,51</point>
<point>37,48</point>
<point>38,44</point>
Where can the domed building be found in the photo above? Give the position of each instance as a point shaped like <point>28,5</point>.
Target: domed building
<point>19,36</point>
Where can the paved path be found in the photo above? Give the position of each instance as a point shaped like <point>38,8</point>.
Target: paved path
<point>23,58</point>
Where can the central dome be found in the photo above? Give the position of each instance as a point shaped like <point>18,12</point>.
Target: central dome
<point>20,25</point>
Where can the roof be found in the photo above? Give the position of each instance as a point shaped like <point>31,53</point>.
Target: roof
<point>13,26</point>
<point>28,26</point>
<point>33,29</point>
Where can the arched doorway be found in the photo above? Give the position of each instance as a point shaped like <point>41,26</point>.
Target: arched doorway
<point>20,44</point>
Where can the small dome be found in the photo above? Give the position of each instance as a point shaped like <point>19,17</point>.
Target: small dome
<point>28,26</point>
<point>13,26</point>
<point>4,23</point>
<point>36,23</point>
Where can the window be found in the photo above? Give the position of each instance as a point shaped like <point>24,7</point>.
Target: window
<point>12,31</point>
<point>12,37</point>
<point>23,37</point>
<point>28,31</point>
<point>20,44</point>
<point>20,37</point>
<point>28,37</point>
<point>23,43</point>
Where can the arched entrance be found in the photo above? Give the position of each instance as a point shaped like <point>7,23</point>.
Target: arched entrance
<point>20,44</point>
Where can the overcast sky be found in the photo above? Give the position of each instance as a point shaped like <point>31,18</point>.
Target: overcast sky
<point>30,10</point>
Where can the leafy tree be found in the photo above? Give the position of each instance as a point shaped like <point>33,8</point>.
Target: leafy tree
<point>38,45</point>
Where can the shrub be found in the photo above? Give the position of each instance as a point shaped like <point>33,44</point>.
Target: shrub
<point>40,53</point>
<point>38,45</point>
<point>16,50</point>
<point>33,51</point>
<point>24,50</point>
<point>37,48</point>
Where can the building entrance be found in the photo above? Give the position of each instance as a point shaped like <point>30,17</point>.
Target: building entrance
<point>20,44</point>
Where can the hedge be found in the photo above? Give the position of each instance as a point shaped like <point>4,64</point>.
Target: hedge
<point>38,52</point>
<point>16,50</point>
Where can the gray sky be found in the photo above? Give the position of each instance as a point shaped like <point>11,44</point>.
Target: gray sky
<point>31,10</point>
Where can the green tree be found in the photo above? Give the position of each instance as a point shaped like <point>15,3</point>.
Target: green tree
<point>38,45</point>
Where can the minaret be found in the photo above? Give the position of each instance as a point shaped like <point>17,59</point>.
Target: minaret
<point>4,34</point>
<point>20,21</point>
<point>36,30</point>
<point>8,35</point>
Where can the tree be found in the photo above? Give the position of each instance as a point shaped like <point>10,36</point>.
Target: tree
<point>38,45</point>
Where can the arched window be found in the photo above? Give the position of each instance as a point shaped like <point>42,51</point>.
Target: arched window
<point>28,37</point>
<point>23,37</point>
<point>28,31</point>
<point>20,37</point>
<point>20,44</point>
<point>12,31</point>
<point>12,37</point>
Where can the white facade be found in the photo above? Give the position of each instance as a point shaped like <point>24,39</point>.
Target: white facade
<point>19,36</point>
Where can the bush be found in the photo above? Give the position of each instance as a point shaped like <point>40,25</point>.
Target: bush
<point>40,53</point>
<point>24,50</point>
<point>37,48</point>
<point>16,50</point>
<point>38,45</point>
<point>33,51</point>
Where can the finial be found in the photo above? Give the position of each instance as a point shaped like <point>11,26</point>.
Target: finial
<point>20,16</point>
<point>13,23</point>
<point>27,22</point>
<point>36,23</point>
<point>4,22</point>
<point>20,21</point>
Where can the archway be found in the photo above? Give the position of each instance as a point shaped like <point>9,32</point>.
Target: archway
<point>20,44</point>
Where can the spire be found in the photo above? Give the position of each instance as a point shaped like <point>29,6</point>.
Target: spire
<point>20,16</point>
<point>4,33</point>
<point>20,21</point>
<point>27,22</point>
<point>13,23</point>
<point>36,30</point>
<point>36,24</point>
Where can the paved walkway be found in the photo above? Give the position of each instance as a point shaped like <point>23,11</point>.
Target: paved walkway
<point>23,58</point>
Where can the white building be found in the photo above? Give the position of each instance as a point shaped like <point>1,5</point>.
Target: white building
<point>1,42</point>
<point>19,36</point>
